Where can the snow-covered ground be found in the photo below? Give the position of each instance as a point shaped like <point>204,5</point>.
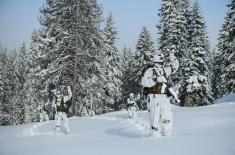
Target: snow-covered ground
<point>206,130</point>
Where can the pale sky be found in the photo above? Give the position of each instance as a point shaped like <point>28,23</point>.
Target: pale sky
<point>18,18</point>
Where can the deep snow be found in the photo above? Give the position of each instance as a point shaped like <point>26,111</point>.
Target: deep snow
<point>227,98</point>
<point>206,130</point>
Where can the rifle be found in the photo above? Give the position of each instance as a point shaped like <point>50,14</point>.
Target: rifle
<point>165,84</point>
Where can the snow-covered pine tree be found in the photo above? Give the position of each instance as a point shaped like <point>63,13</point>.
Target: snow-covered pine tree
<point>112,63</point>
<point>196,87</point>
<point>74,54</point>
<point>59,49</point>
<point>186,14</point>
<point>225,62</point>
<point>16,87</point>
<point>174,33</point>
<point>34,87</point>
<point>4,100</point>
<point>1,84</point>
<point>127,82</point>
<point>144,48</point>
<point>143,56</point>
<point>21,71</point>
<point>22,65</point>
<point>89,54</point>
<point>213,75</point>
<point>13,108</point>
<point>53,38</point>
<point>10,110</point>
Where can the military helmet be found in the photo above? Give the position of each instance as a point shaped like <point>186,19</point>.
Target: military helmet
<point>131,95</point>
<point>158,58</point>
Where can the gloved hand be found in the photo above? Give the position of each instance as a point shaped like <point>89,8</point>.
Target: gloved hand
<point>177,100</point>
<point>154,78</point>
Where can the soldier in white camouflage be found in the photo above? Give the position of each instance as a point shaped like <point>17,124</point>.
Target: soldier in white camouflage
<point>62,108</point>
<point>157,90</point>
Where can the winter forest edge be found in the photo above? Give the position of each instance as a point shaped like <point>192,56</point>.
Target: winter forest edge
<point>71,47</point>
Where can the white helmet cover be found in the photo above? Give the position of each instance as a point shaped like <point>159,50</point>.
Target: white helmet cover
<point>131,95</point>
<point>158,58</point>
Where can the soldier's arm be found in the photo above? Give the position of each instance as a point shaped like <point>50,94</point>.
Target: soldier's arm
<point>69,92</point>
<point>147,79</point>
<point>128,101</point>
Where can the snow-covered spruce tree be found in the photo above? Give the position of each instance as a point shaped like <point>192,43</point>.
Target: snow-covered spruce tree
<point>22,65</point>
<point>128,84</point>
<point>60,44</point>
<point>144,48</point>
<point>8,83</point>
<point>4,98</point>
<point>112,63</point>
<point>225,64</point>
<point>90,79</point>
<point>174,33</point>
<point>196,87</point>
<point>21,71</point>
<point>14,108</point>
<point>144,52</point>
<point>75,53</point>
<point>213,75</point>
<point>48,46</point>
<point>34,87</point>
<point>186,14</point>
<point>14,70</point>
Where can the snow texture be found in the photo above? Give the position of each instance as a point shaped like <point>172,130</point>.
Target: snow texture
<point>228,98</point>
<point>199,130</point>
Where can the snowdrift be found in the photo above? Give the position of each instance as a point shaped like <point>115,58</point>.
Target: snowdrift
<point>206,130</point>
<point>228,98</point>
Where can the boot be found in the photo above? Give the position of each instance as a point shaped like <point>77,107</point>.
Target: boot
<point>154,132</point>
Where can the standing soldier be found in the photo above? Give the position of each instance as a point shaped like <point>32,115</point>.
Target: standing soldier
<point>43,114</point>
<point>62,108</point>
<point>157,89</point>
<point>132,107</point>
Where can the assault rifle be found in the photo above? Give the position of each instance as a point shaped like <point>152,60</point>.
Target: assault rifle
<point>165,84</point>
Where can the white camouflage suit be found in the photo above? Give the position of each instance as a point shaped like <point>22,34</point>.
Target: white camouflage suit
<point>161,117</point>
<point>132,107</point>
<point>43,116</point>
<point>61,116</point>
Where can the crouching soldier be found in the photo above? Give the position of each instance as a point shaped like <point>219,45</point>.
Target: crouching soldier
<point>157,89</point>
<point>132,107</point>
<point>62,109</point>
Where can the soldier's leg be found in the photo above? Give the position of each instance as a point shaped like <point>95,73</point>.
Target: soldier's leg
<point>41,117</point>
<point>154,114</point>
<point>129,112</point>
<point>93,113</point>
<point>150,116</point>
<point>134,112</point>
<point>46,116</point>
<point>166,116</point>
<point>66,122</point>
<point>58,121</point>
<point>89,112</point>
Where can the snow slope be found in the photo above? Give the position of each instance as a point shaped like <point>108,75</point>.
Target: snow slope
<point>197,131</point>
<point>228,98</point>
